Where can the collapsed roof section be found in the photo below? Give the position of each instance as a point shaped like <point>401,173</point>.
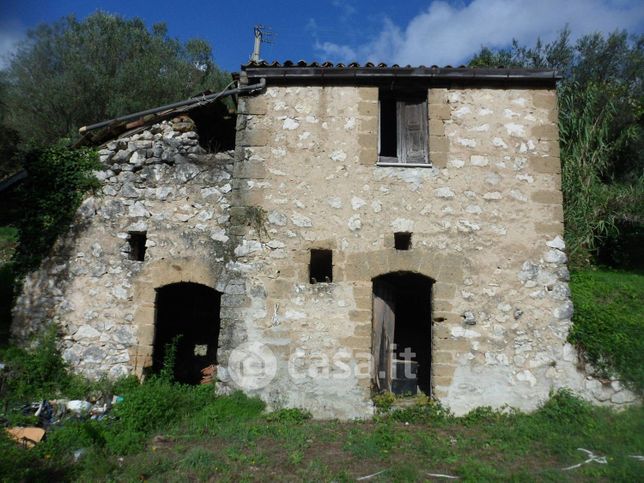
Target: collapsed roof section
<point>206,109</point>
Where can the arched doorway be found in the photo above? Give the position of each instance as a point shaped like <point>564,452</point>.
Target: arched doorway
<point>189,312</point>
<point>402,332</point>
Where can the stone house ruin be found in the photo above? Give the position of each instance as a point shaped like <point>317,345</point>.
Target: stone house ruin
<point>375,228</point>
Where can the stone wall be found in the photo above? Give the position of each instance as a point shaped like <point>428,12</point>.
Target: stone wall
<point>486,222</point>
<point>159,182</point>
<point>487,226</point>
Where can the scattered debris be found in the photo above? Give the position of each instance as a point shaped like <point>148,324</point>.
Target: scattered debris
<point>28,437</point>
<point>208,374</point>
<point>78,454</point>
<point>440,475</point>
<point>368,477</point>
<point>79,407</point>
<point>591,457</point>
<point>55,412</point>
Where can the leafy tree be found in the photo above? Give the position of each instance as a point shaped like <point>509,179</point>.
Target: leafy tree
<point>601,135</point>
<point>73,73</point>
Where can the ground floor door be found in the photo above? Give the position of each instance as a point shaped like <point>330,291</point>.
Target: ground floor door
<point>401,333</point>
<point>186,316</point>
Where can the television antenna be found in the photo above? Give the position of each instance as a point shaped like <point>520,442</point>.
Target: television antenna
<point>263,35</point>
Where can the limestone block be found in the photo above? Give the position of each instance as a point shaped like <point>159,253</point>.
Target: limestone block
<point>368,108</point>
<point>547,197</point>
<point>544,164</point>
<point>438,143</point>
<point>439,111</point>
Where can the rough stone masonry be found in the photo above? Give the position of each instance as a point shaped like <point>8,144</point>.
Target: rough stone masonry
<point>485,217</point>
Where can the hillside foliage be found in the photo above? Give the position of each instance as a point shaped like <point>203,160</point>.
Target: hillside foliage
<point>77,72</point>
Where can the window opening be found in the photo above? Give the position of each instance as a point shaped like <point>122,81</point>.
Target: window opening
<point>403,127</point>
<point>402,240</point>
<point>137,240</point>
<point>321,266</point>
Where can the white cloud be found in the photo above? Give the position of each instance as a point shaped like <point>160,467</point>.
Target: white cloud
<point>345,7</point>
<point>11,33</point>
<point>446,34</point>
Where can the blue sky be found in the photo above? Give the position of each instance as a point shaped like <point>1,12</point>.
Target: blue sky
<point>414,31</point>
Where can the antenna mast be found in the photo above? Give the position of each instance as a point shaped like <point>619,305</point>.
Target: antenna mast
<point>263,35</point>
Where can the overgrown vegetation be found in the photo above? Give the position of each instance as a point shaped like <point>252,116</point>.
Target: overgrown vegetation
<point>8,243</point>
<point>32,375</point>
<point>167,431</point>
<point>609,323</point>
<point>59,178</point>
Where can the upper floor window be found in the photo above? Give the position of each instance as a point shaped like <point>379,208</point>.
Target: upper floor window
<point>403,127</point>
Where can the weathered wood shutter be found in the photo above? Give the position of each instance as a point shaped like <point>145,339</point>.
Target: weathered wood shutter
<point>382,336</point>
<point>412,131</point>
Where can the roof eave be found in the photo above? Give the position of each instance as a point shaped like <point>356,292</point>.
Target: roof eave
<point>279,73</point>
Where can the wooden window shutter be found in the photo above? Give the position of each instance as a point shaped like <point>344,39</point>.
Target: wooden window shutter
<point>412,131</point>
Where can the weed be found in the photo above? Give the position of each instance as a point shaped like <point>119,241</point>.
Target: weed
<point>289,416</point>
<point>296,457</point>
<point>564,407</point>
<point>39,373</point>
<point>198,458</point>
<point>424,410</point>
<point>256,217</point>
<point>384,401</point>
<point>157,402</point>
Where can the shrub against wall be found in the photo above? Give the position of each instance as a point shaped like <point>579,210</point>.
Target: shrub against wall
<point>608,323</point>
<point>59,178</point>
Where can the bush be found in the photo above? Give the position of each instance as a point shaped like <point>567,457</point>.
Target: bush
<point>158,402</point>
<point>563,408</point>
<point>38,373</point>
<point>236,407</point>
<point>608,323</point>
<point>59,177</point>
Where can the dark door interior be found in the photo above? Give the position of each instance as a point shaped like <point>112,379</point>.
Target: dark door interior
<point>187,313</point>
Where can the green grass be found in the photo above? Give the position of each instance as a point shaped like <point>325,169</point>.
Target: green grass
<point>232,438</point>
<point>609,322</point>
<point>171,432</point>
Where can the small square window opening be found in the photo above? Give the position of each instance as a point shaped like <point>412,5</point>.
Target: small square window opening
<point>137,241</point>
<point>321,266</point>
<point>402,240</point>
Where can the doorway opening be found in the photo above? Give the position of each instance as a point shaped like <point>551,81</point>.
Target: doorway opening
<point>186,314</point>
<point>402,333</point>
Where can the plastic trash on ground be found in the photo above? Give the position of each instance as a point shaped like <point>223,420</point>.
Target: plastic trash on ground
<point>79,407</point>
